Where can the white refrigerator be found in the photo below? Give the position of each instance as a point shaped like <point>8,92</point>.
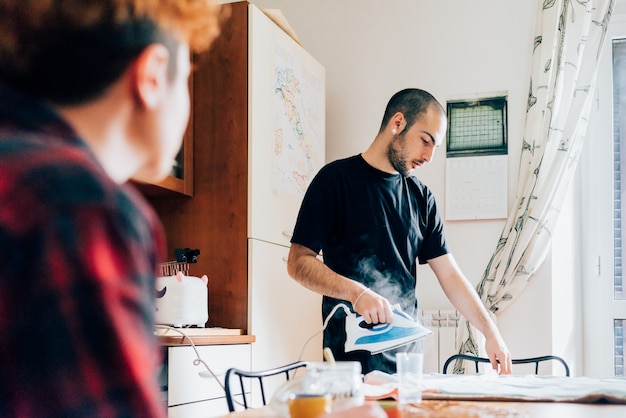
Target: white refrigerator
<point>286,149</point>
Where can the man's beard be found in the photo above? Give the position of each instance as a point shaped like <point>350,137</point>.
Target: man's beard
<point>396,157</point>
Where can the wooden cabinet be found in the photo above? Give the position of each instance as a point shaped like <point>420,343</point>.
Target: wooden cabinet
<point>255,151</point>
<point>215,220</point>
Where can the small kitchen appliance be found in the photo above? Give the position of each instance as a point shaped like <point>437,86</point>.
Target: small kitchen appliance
<point>181,300</point>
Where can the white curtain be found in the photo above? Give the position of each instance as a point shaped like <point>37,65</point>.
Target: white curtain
<point>568,40</point>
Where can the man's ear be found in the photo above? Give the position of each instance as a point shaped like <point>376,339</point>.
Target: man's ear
<point>398,122</point>
<point>149,75</point>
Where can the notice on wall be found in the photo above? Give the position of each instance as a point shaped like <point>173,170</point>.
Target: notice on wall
<point>476,187</point>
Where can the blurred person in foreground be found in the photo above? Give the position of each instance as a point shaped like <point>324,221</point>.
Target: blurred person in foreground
<point>92,94</point>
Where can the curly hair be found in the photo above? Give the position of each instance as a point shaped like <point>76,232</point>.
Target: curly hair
<point>70,51</point>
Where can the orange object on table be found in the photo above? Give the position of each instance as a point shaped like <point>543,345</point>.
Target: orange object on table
<point>309,406</point>
<point>391,408</point>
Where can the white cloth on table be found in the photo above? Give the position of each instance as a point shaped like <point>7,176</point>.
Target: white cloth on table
<point>491,386</point>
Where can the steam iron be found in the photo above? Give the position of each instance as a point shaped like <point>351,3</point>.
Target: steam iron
<point>377,338</point>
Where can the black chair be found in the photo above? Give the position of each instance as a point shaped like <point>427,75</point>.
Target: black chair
<point>535,360</point>
<point>259,376</point>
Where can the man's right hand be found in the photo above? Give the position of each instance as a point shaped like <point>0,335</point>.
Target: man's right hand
<point>374,308</point>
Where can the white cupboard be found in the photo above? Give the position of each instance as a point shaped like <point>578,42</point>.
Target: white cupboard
<point>193,391</point>
<point>286,124</point>
<point>285,150</point>
<point>283,314</point>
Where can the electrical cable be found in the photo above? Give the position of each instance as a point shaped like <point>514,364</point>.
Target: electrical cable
<point>330,315</point>
<point>198,360</point>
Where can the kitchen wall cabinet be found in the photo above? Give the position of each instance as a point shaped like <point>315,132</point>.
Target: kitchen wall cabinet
<point>258,138</point>
<point>214,220</point>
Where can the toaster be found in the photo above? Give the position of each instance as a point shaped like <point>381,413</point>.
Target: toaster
<point>182,300</point>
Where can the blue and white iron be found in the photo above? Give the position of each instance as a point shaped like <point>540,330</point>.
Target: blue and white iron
<point>377,338</point>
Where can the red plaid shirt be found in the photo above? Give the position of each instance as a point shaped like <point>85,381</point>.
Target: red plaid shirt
<point>78,257</point>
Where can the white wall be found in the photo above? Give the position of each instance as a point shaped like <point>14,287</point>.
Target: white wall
<point>452,48</point>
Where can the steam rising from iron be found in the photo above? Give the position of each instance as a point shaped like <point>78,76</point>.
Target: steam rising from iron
<point>379,282</point>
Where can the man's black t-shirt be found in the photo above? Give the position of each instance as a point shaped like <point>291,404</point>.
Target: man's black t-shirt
<point>372,227</point>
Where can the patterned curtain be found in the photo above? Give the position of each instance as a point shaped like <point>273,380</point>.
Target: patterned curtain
<point>567,44</point>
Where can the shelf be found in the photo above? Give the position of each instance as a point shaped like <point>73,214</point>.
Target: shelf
<point>204,336</point>
<point>169,187</point>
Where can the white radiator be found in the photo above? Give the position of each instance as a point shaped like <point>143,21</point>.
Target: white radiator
<point>441,344</point>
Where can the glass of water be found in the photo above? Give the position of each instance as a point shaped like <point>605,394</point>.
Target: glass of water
<point>410,367</point>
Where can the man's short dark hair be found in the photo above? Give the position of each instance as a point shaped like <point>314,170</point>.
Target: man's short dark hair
<point>412,103</point>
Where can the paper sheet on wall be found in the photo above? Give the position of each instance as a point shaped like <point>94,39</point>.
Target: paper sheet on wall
<point>476,187</point>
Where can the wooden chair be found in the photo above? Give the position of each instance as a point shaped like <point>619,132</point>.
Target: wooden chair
<point>535,360</point>
<point>259,376</point>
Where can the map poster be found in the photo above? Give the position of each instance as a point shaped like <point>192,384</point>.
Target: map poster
<point>298,119</point>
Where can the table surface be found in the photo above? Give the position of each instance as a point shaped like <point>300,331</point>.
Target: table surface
<point>491,409</point>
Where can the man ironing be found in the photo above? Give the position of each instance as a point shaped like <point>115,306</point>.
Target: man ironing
<point>373,221</point>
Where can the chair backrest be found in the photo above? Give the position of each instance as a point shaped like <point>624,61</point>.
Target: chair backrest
<point>257,376</point>
<point>535,360</point>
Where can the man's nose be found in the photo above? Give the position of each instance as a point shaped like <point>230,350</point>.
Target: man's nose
<point>428,155</point>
